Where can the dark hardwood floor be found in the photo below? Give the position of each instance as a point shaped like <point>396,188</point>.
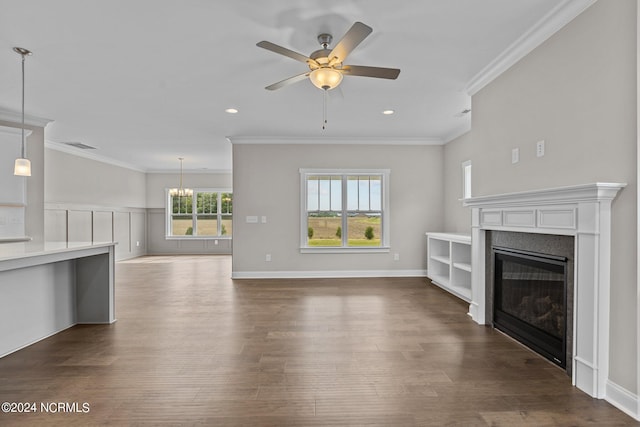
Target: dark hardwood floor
<point>193,347</point>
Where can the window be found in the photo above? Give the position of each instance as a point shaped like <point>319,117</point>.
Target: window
<point>211,216</point>
<point>466,179</point>
<point>344,210</point>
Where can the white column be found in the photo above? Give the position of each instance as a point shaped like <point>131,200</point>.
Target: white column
<point>477,307</point>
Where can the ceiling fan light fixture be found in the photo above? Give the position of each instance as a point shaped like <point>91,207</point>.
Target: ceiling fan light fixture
<point>325,78</point>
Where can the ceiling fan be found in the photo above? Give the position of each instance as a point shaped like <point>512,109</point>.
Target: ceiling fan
<point>326,67</point>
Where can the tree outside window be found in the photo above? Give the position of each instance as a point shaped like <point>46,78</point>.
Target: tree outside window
<point>212,216</point>
<point>343,210</point>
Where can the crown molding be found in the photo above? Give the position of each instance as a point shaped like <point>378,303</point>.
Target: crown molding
<point>16,117</point>
<point>91,156</point>
<point>302,140</point>
<point>191,171</point>
<point>14,131</point>
<point>553,21</point>
<point>457,132</point>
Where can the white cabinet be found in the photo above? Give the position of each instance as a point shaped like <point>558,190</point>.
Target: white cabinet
<point>449,262</point>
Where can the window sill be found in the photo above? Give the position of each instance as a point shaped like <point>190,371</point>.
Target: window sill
<point>341,250</point>
<point>197,238</point>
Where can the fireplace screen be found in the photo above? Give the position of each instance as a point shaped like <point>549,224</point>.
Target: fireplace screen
<point>530,300</point>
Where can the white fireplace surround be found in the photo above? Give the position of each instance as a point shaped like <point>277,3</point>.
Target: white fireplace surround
<point>582,211</point>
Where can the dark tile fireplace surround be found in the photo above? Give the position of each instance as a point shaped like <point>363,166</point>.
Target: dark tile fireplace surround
<point>556,247</point>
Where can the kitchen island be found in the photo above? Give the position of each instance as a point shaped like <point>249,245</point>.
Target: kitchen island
<point>48,287</point>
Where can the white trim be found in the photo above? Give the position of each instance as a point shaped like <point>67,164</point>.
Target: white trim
<point>16,117</point>
<point>592,231</point>
<point>82,207</point>
<point>191,171</point>
<point>458,131</point>
<point>322,274</point>
<point>190,239</point>
<point>551,196</point>
<point>553,21</point>
<point>356,140</point>
<point>467,179</point>
<point>87,154</point>
<point>623,399</point>
<point>8,130</point>
<point>385,240</point>
<point>194,214</point>
<point>344,250</point>
<point>64,328</point>
<point>637,409</point>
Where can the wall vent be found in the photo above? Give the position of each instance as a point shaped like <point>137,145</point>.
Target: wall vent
<point>80,145</point>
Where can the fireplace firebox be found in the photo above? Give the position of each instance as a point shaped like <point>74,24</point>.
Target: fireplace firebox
<point>530,300</point>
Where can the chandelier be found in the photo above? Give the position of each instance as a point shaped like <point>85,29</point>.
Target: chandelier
<point>180,192</point>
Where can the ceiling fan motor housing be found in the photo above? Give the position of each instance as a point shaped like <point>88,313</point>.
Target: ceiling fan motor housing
<point>325,39</point>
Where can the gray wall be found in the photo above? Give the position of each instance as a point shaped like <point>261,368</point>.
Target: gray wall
<point>457,218</point>
<point>92,201</point>
<point>272,188</point>
<point>156,185</point>
<point>577,92</point>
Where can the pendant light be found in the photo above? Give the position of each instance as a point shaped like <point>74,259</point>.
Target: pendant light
<point>22,165</point>
<point>181,192</point>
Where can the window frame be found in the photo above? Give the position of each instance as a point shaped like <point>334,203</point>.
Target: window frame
<point>194,215</point>
<point>466,179</point>
<point>385,239</point>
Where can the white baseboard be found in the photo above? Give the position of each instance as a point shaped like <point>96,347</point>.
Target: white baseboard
<point>326,274</point>
<point>6,353</point>
<point>623,399</point>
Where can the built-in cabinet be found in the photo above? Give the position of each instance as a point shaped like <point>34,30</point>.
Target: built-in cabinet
<point>449,262</point>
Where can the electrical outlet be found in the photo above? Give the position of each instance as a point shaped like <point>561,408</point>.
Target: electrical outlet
<point>396,257</point>
<point>263,219</point>
<point>267,257</point>
<point>539,148</point>
<point>137,243</point>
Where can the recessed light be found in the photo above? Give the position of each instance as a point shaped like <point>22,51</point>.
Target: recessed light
<point>388,112</point>
<point>231,110</point>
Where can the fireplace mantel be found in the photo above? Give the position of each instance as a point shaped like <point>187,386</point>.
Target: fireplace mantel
<point>582,211</point>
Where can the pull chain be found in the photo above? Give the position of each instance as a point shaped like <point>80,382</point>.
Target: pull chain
<point>324,109</point>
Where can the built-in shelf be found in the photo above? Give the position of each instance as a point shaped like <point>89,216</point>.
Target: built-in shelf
<point>449,262</point>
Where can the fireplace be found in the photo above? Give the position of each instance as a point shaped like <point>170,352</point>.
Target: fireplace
<point>530,300</point>
<point>582,213</point>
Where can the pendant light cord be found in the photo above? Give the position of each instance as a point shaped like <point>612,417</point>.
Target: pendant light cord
<point>181,190</point>
<point>23,147</point>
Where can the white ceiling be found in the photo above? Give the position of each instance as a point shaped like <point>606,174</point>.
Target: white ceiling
<point>147,81</point>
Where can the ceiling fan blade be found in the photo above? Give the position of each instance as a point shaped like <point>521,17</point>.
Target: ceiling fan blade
<point>350,40</point>
<point>284,51</point>
<point>378,72</point>
<point>290,80</point>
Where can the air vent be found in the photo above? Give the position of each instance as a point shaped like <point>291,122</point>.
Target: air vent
<point>80,145</point>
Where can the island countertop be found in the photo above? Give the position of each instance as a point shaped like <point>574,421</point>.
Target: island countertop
<point>25,254</point>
